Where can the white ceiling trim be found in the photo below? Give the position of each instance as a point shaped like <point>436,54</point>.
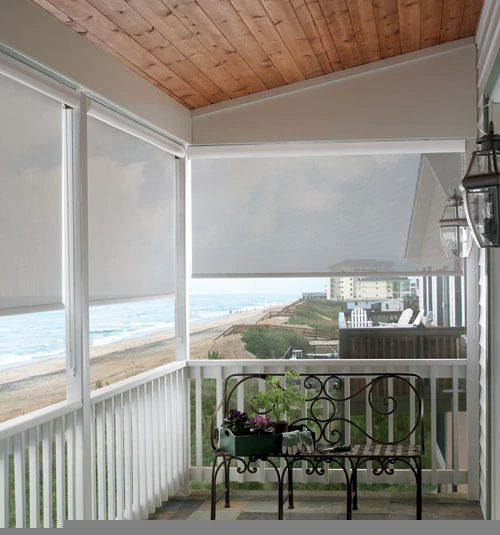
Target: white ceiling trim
<point>338,148</point>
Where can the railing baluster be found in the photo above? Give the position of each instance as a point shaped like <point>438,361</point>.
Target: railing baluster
<point>110,457</point>
<point>156,444</point>
<point>369,426</point>
<point>47,475</point>
<point>70,463</point>
<point>128,453</point>
<point>455,424</point>
<point>101,462</point>
<point>136,476</point>
<point>60,480</point>
<point>33,470</point>
<point>143,481</point>
<point>93,460</point>
<point>412,408</point>
<point>118,422</point>
<point>433,426</point>
<point>19,481</point>
<point>198,424</point>
<point>4,483</point>
<point>161,408</point>
<point>148,407</point>
<point>171,468</point>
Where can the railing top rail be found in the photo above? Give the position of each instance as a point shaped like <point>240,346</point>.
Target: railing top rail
<point>35,418</point>
<point>333,363</point>
<point>106,392</point>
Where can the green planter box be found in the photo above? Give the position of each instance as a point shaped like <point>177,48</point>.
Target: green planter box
<point>246,445</point>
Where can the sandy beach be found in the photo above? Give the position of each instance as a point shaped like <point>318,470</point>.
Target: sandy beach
<point>32,386</point>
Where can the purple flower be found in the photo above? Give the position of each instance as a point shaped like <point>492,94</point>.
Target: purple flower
<point>262,423</point>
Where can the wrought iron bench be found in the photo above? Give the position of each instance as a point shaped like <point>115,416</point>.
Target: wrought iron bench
<point>390,431</point>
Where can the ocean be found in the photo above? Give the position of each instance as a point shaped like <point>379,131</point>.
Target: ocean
<point>29,338</point>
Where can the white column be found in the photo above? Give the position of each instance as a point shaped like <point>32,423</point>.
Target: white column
<point>421,290</point>
<point>76,297</point>
<point>494,381</point>
<point>183,255</point>
<point>472,284</point>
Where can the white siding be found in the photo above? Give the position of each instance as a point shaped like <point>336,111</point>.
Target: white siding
<point>488,44</point>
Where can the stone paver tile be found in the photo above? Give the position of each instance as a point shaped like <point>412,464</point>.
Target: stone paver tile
<point>226,514</point>
<point>235,504</point>
<point>257,516</point>
<point>175,515</point>
<point>410,508</point>
<point>370,516</point>
<point>320,507</point>
<point>312,516</point>
<point>373,505</point>
<point>459,512</point>
<point>257,506</point>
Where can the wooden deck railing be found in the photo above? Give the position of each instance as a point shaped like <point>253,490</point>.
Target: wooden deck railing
<point>398,343</point>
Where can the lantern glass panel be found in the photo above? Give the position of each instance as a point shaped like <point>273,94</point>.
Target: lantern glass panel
<point>482,208</point>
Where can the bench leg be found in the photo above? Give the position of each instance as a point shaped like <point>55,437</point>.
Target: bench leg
<point>418,481</point>
<point>355,489</point>
<point>291,504</point>
<point>348,514</point>
<point>227,465</point>
<point>213,496</point>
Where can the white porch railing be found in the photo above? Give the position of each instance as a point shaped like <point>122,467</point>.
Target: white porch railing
<point>437,471</point>
<point>141,440</point>
<point>140,453</point>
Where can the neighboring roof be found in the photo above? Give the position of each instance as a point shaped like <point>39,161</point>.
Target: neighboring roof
<point>438,175</point>
<point>210,51</point>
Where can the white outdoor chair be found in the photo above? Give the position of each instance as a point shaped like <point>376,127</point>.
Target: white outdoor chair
<point>403,321</point>
<point>359,319</point>
<point>418,320</point>
<point>429,319</point>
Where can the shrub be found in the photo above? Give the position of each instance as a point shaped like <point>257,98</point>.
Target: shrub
<point>272,343</point>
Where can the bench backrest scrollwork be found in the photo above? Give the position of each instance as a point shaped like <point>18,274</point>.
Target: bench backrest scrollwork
<point>341,408</point>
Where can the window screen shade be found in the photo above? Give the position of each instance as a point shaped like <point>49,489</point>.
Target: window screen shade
<point>30,199</point>
<point>314,216</point>
<point>131,216</point>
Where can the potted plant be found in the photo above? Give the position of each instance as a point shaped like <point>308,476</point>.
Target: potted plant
<point>241,435</point>
<point>277,400</point>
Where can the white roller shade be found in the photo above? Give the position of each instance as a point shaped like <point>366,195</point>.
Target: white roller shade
<point>131,216</point>
<point>30,199</point>
<point>305,216</point>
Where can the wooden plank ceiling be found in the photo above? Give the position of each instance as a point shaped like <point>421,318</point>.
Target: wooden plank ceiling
<point>205,51</point>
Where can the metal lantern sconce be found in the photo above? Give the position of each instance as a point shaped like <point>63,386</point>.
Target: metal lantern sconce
<point>482,190</point>
<point>455,234</point>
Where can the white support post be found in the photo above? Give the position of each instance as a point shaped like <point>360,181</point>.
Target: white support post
<point>183,255</point>
<point>472,390</point>
<point>434,301</point>
<point>76,296</point>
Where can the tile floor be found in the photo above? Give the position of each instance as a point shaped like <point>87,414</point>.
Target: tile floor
<point>321,505</point>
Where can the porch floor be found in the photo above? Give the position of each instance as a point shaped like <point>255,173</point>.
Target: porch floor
<point>321,505</point>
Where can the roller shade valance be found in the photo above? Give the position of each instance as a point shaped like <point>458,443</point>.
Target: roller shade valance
<point>131,216</point>
<point>309,216</point>
<point>30,199</point>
